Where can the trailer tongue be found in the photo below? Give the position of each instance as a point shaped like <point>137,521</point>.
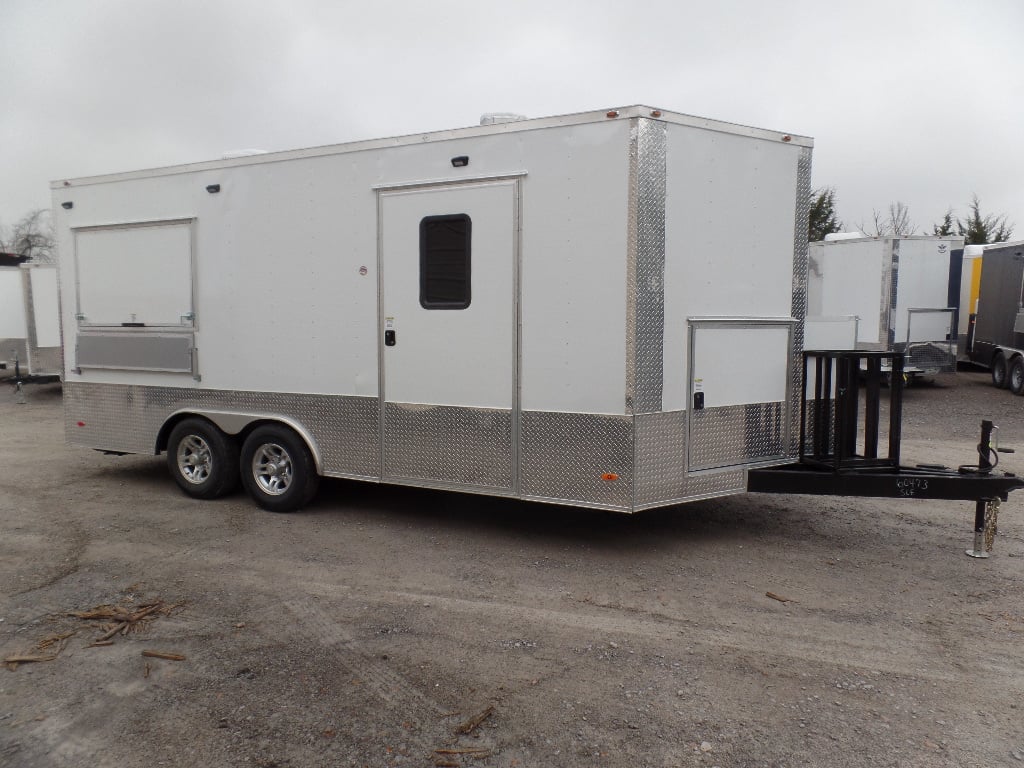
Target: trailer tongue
<point>839,446</point>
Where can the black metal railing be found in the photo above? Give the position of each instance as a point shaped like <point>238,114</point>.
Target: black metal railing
<point>834,432</point>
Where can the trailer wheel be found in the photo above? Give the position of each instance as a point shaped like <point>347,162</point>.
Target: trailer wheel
<point>1016,377</point>
<point>999,371</point>
<point>277,469</point>
<point>202,460</point>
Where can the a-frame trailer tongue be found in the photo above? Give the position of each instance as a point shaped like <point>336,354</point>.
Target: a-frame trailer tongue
<point>839,445</point>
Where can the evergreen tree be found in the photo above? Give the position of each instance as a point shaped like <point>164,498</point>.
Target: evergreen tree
<point>947,227</point>
<point>823,219</point>
<point>978,229</point>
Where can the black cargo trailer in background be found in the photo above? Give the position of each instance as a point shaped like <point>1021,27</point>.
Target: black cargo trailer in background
<point>998,341</point>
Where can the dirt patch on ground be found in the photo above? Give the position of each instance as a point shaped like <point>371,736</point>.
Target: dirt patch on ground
<point>401,627</point>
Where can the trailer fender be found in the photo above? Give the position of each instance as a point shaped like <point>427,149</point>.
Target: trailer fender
<point>235,423</point>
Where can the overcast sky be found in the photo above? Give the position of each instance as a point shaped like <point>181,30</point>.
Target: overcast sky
<point>920,101</point>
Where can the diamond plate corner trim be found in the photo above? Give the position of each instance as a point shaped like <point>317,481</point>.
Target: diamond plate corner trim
<point>737,434</point>
<point>122,417</point>
<point>564,455</point>
<point>660,458</point>
<point>645,279</point>
<point>661,473</point>
<point>799,302</point>
<point>453,445</point>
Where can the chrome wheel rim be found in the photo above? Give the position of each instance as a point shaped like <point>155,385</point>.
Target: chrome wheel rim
<point>272,469</point>
<point>195,459</point>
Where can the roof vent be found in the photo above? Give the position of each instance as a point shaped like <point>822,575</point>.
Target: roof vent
<point>833,236</point>
<point>493,118</point>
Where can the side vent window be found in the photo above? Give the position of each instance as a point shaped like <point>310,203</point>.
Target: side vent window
<point>445,261</point>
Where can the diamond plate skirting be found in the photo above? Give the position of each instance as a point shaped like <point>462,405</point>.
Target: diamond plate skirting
<point>737,434</point>
<point>448,445</point>
<point>645,266</point>
<point>128,418</point>
<point>661,476</point>
<point>564,455</point>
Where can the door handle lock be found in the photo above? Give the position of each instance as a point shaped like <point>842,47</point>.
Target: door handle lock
<point>389,338</point>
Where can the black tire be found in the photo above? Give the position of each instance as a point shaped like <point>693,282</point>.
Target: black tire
<point>1016,376</point>
<point>202,460</point>
<point>1000,379</point>
<point>278,469</point>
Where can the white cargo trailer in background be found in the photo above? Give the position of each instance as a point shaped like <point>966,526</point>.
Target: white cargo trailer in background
<point>884,294</point>
<point>30,340</point>
<point>603,309</point>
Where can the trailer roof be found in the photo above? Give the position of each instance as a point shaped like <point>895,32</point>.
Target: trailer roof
<point>516,126</point>
<point>880,238</point>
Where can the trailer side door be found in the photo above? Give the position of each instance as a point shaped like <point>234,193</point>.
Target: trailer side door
<point>448,334</point>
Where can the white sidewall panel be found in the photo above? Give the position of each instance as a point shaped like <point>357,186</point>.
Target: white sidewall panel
<point>923,284</point>
<point>13,324</point>
<point>574,244</point>
<point>714,265</point>
<point>46,306</point>
<point>846,278</point>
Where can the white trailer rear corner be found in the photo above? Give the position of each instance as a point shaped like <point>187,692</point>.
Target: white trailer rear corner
<point>603,310</point>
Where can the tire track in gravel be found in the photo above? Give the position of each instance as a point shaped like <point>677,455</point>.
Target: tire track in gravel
<point>394,691</point>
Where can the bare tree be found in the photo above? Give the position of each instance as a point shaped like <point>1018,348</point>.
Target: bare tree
<point>895,223</point>
<point>32,236</point>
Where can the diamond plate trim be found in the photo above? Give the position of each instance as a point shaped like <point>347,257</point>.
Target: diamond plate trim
<point>564,456</point>
<point>737,434</point>
<point>661,476</point>
<point>448,444</point>
<point>128,418</point>
<point>645,279</point>
<point>660,457</point>
<point>799,304</point>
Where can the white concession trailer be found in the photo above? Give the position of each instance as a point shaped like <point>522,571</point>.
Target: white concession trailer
<point>601,309</point>
<point>30,339</point>
<point>887,294</point>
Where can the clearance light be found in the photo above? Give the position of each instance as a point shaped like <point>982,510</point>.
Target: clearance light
<point>787,138</point>
<point>80,424</point>
<point>612,113</point>
<point>656,113</point>
<point>609,476</point>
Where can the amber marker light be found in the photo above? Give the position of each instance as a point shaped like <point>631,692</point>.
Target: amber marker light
<point>609,476</point>
<point>656,113</point>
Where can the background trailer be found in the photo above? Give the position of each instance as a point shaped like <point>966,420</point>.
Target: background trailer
<point>30,340</point>
<point>602,309</point>
<point>888,294</point>
<point>998,341</point>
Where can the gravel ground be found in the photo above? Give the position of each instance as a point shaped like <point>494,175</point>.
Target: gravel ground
<point>376,626</point>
